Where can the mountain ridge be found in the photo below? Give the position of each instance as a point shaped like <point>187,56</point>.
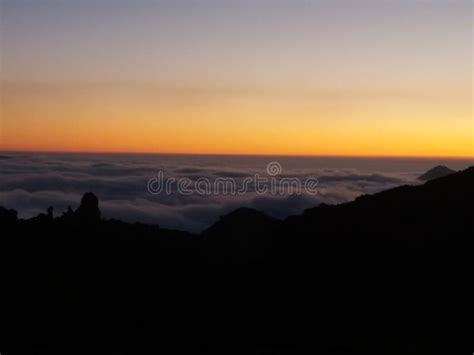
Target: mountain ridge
<point>386,272</point>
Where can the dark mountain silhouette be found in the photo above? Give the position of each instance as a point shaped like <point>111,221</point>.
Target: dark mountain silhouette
<point>436,172</point>
<point>241,224</point>
<point>242,235</point>
<point>387,273</point>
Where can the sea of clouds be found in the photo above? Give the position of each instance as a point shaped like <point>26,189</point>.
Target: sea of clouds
<point>30,183</point>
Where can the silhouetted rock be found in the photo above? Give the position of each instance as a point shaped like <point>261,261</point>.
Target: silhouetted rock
<point>436,172</point>
<point>89,208</point>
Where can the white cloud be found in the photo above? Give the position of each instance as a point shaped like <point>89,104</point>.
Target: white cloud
<point>30,183</point>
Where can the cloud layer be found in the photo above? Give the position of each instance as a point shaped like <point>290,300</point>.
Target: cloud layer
<point>30,183</point>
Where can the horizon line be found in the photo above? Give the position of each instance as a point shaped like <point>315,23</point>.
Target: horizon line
<point>335,156</point>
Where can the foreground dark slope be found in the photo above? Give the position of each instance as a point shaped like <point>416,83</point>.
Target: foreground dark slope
<point>387,273</point>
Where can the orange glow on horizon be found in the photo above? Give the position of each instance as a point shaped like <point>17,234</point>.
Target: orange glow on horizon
<point>256,124</point>
<point>300,78</point>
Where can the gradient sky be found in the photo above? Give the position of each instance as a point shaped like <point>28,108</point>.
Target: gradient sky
<point>253,77</point>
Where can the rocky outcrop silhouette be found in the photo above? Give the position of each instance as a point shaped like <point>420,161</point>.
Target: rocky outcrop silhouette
<point>89,209</point>
<point>436,172</point>
<point>387,273</point>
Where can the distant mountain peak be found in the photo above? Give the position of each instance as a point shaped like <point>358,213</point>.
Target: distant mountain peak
<point>244,212</point>
<point>244,229</point>
<point>436,172</point>
<point>241,219</point>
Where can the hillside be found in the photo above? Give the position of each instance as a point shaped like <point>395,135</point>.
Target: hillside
<point>386,273</point>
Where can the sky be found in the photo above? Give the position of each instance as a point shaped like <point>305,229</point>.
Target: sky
<point>356,78</point>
